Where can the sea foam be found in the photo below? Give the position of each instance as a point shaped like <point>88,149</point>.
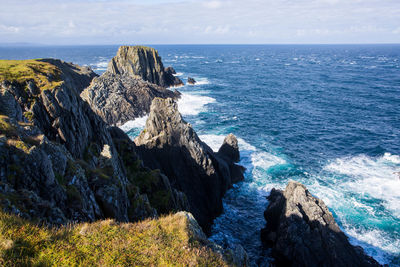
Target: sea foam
<point>377,177</point>
<point>192,104</point>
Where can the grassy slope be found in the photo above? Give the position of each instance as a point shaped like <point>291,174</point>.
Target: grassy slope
<point>159,242</point>
<point>45,75</point>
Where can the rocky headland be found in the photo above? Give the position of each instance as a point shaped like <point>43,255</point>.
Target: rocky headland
<point>61,163</point>
<point>135,76</point>
<point>302,232</point>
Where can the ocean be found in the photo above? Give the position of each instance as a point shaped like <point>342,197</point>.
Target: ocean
<point>327,116</point>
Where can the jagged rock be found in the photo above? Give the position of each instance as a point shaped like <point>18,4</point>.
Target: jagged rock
<point>58,160</point>
<point>229,151</point>
<point>170,70</point>
<point>120,98</point>
<point>234,257</point>
<point>191,81</point>
<point>142,62</point>
<point>302,232</point>
<point>170,144</point>
<point>230,148</point>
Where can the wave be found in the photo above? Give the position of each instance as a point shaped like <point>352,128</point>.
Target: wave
<point>201,81</point>
<point>139,123</point>
<point>178,74</point>
<point>191,104</point>
<point>376,177</point>
<point>215,141</point>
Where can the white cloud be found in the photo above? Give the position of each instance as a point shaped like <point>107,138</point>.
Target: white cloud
<point>199,21</point>
<point>213,4</point>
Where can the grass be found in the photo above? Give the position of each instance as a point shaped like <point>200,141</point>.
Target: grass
<point>6,127</point>
<point>166,241</point>
<point>45,75</point>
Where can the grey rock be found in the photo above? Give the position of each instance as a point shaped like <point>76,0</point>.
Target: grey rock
<point>302,232</point>
<point>120,98</point>
<point>170,144</point>
<point>142,62</point>
<point>191,81</point>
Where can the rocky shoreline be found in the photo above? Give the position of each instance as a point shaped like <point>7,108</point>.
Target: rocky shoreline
<point>62,159</point>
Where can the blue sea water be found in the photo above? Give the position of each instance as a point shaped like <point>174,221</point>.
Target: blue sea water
<point>324,115</point>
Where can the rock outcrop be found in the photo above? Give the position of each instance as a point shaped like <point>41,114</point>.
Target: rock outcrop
<point>170,144</point>
<point>302,232</point>
<point>142,62</point>
<point>191,81</point>
<point>135,76</point>
<point>120,98</point>
<point>60,162</point>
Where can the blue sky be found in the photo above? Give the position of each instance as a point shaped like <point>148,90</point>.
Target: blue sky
<point>199,21</point>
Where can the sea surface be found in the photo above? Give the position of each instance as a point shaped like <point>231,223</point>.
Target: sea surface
<point>327,116</point>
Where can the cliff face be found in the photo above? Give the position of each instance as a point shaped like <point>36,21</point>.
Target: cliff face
<point>302,232</point>
<point>170,144</point>
<point>59,160</point>
<point>142,62</point>
<point>135,76</point>
<point>120,98</point>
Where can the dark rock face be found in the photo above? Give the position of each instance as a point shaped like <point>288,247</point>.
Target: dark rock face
<point>190,80</point>
<point>59,161</point>
<point>142,62</point>
<point>119,98</point>
<point>170,144</point>
<point>302,232</point>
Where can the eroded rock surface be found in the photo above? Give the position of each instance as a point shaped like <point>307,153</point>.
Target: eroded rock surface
<point>302,232</point>
<point>135,76</point>
<point>60,162</point>
<point>170,144</point>
<point>145,63</point>
<point>119,98</point>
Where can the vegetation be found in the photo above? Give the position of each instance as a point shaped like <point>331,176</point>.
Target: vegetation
<point>166,241</point>
<point>45,75</point>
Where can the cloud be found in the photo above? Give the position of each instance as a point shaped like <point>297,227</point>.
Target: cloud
<point>199,21</point>
<point>213,4</point>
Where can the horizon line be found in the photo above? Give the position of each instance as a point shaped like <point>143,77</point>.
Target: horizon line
<point>19,44</point>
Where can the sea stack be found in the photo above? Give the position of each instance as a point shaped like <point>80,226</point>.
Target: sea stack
<point>142,62</point>
<point>191,81</point>
<point>302,232</point>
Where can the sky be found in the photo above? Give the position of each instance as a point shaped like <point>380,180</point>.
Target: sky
<point>80,22</point>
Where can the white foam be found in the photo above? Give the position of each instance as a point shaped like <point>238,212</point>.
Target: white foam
<point>212,140</point>
<point>191,104</point>
<point>201,81</point>
<point>265,160</point>
<point>376,238</point>
<point>377,177</point>
<point>178,74</point>
<point>215,141</point>
<point>139,123</point>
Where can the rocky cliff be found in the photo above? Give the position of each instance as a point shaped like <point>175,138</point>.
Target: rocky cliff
<point>302,232</point>
<point>60,161</point>
<point>170,144</point>
<point>135,76</point>
<point>145,63</point>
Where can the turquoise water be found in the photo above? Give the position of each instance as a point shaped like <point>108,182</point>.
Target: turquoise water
<point>327,116</point>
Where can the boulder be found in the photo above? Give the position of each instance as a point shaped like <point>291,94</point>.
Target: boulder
<point>170,144</point>
<point>142,62</point>
<point>191,81</point>
<point>302,232</point>
<point>120,98</point>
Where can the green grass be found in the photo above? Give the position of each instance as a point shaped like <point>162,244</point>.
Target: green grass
<point>166,241</point>
<point>45,75</point>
